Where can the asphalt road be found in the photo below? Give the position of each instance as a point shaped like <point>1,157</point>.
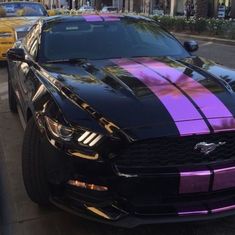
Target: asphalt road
<point>18,215</point>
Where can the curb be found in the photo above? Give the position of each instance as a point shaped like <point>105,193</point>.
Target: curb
<point>204,38</point>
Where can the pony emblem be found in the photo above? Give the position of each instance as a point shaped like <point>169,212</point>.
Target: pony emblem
<point>207,148</point>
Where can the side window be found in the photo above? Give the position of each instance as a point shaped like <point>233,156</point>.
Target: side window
<point>31,41</point>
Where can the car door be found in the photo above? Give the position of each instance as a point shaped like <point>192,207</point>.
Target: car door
<point>25,70</point>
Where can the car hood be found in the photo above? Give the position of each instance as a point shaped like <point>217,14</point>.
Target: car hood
<point>15,22</point>
<point>151,97</point>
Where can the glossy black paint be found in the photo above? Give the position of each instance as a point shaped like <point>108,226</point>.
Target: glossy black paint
<point>100,97</point>
<point>16,54</point>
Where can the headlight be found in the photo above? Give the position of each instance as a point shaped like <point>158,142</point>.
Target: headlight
<point>82,137</point>
<point>6,35</point>
<point>58,130</point>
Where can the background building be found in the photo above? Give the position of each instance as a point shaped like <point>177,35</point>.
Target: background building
<point>204,7</point>
<point>170,7</point>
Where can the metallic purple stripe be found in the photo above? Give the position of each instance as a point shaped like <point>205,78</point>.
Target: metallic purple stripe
<point>223,124</point>
<point>185,213</point>
<point>92,18</point>
<point>224,178</point>
<point>194,181</point>
<point>208,103</point>
<point>110,17</point>
<point>195,126</point>
<point>170,96</point>
<point>223,209</point>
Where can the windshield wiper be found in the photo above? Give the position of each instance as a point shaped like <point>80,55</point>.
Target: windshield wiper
<point>73,61</point>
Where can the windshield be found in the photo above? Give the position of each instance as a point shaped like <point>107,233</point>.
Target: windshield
<point>21,9</point>
<point>105,40</point>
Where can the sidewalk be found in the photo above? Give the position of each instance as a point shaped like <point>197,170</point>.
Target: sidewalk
<point>205,38</point>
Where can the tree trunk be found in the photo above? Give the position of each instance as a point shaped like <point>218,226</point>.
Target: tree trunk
<point>233,10</point>
<point>201,7</point>
<point>98,4</point>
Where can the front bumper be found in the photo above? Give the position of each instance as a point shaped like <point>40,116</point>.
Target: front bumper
<point>158,196</point>
<point>112,208</point>
<point>131,221</point>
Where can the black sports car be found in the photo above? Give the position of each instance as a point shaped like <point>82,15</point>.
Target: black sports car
<point>123,124</point>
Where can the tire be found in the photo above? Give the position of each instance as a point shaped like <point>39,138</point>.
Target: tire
<point>11,96</point>
<point>33,166</point>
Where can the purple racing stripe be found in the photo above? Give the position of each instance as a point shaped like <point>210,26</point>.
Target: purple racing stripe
<point>92,18</point>
<point>223,124</point>
<point>191,213</point>
<point>219,117</point>
<point>110,17</point>
<point>189,121</point>
<point>224,178</point>
<point>194,181</point>
<point>223,209</point>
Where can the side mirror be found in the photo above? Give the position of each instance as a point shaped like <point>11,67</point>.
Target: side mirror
<point>16,54</point>
<point>191,46</point>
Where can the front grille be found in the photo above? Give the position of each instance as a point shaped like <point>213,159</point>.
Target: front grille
<point>176,151</point>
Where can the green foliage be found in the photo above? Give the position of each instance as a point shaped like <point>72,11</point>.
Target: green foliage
<point>210,27</point>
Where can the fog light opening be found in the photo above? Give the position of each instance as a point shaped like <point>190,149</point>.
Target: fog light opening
<point>95,156</point>
<point>84,185</point>
<point>98,212</point>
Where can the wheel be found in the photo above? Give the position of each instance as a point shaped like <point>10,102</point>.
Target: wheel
<point>33,165</point>
<point>11,96</point>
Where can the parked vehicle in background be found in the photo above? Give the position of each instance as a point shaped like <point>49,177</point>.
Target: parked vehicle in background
<point>16,18</point>
<point>86,8</point>
<point>123,124</point>
<point>109,9</point>
<point>158,12</point>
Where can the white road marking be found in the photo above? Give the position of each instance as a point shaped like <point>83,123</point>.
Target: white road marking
<point>206,44</point>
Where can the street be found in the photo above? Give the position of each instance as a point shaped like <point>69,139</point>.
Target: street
<point>20,216</point>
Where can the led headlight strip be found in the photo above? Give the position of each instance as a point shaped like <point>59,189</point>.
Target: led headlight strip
<point>66,133</point>
<point>89,138</point>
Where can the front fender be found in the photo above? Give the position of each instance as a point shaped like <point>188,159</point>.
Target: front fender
<point>48,100</point>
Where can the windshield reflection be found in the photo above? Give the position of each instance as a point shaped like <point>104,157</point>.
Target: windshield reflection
<point>21,9</point>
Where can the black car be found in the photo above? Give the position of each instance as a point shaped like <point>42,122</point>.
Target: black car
<point>123,124</point>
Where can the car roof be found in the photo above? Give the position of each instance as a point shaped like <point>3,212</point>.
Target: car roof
<point>82,17</point>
